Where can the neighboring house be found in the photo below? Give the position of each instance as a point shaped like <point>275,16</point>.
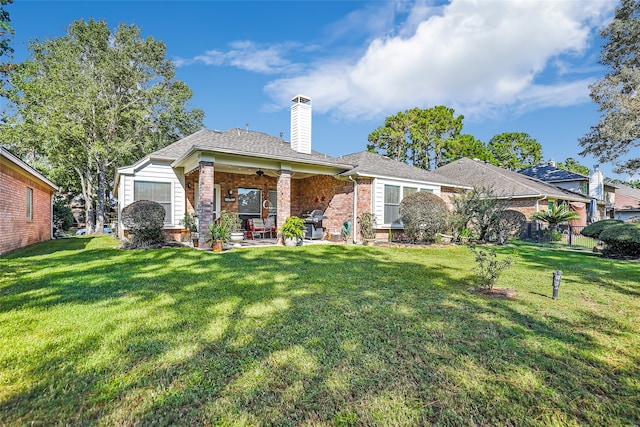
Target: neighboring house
<point>627,202</point>
<point>258,175</point>
<point>592,186</point>
<point>522,193</point>
<point>26,211</point>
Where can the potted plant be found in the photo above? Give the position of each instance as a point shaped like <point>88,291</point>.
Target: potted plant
<point>218,235</point>
<point>293,231</point>
<point>367,224</point>
<point>234,224</point>
<point>190,223</point>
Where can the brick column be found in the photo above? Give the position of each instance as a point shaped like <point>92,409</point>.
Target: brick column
<point>205,199</point>
<point>284,197</point>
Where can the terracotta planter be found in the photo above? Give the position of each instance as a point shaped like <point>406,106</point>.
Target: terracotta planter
<point>217,246</point>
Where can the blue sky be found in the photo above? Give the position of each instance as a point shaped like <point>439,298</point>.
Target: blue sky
<point>506,65</point>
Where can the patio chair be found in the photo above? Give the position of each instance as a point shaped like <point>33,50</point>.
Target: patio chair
<point>255,226</point>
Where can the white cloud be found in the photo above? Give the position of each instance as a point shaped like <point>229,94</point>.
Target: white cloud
<point>249,56</point>
<point>475,55</point>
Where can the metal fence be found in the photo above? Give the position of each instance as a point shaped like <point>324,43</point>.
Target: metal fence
<point>565,236</point>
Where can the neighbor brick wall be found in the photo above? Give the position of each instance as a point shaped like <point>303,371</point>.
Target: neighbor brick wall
<point>526,206</point>
<point>15,231</point>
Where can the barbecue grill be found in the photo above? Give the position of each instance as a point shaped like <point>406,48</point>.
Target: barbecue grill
<point>313,223</point>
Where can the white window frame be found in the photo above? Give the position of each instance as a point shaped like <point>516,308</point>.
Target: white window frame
<point>29,200</point>
<point>167,221</point>
<point>402,185</point>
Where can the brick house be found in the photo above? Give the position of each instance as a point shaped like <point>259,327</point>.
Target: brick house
<point>521,192</point>
<point>258,175</point>
<point>26,210</point>
<point>627,202</point>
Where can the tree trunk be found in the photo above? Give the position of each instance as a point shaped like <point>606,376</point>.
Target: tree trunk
<point>87,191</point>
<point>102,177</point>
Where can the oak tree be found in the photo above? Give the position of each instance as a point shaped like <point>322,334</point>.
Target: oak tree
<point>618,130</point>
<point>93,100</point>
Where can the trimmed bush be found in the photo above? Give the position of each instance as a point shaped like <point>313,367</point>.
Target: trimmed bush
<point>622,239</point>
<point>423,216</point>
<point>594,230</point>
<point>145,220</point>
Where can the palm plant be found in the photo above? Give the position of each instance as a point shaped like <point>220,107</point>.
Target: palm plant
<point>556,215</point>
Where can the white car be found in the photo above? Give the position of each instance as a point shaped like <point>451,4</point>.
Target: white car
<point>83,231</point>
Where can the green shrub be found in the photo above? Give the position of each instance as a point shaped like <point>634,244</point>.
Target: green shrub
<point>145,220</point>
<point>62,216</point>
<point>488,267</point>
<point>594,230</point>
<point>293,228</point>
<point>622,239</point>
<point>423,216</point>
<point>367,223</point>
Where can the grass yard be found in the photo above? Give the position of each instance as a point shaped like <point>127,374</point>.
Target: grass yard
<point>314,336</point>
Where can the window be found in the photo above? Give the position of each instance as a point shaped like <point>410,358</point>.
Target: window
<point>393,195</point>
<point>273,202</point>
<point>391,204</point>
<point>159,192</point>
<point>29,204</point>
<point>407,191</point>
<point>250,202</point>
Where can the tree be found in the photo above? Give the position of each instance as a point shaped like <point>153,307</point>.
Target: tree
<point>433,133</point>
<point>467,146</point>
<point>6,33</point>
<point>392,138</point>
<point>572,165</point>
<point>556,215</point>
<point>515,150</point>
<point>618,130</point>
<point>423,138</point>
<point>93,100</point>
<point>481,211</point>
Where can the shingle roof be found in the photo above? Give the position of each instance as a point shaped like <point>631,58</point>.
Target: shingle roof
<point>371,164</point>
<point>548,173</point>
<point>242,142</point>
<point>504,183</point>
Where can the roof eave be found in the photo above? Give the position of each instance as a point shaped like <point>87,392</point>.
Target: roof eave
<point>12,158</point>
<point>196,148</point>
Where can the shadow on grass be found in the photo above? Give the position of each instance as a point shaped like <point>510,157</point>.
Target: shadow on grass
<point>320,335</point>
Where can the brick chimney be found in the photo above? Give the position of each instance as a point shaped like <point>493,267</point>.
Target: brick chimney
<point>301,124</point>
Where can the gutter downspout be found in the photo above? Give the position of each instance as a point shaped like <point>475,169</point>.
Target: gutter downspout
<point>355,208</point>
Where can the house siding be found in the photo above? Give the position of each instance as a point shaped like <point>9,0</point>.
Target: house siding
<point>154,172</point>
<point>15,230</point>
<point>378,194</point>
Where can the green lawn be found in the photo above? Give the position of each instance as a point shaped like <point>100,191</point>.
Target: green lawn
<point>318,335</point>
